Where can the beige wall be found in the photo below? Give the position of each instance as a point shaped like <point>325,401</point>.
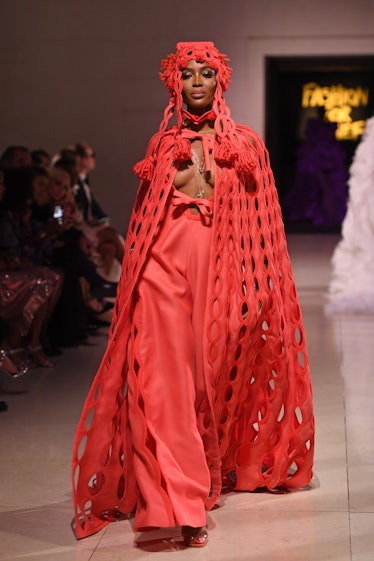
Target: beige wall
<point>88,69</point>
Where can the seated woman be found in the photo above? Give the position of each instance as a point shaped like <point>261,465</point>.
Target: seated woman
<point>73,253</point>
<point>108,244</point>
<point>6,365</point>
<point>41,200</point>
<point>40,158</point>
<point>29,291</point>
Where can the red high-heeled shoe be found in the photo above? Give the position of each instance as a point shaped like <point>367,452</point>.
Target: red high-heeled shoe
<point>195,537</point>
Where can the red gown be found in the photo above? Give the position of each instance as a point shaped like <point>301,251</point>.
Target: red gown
<point>206,375</point>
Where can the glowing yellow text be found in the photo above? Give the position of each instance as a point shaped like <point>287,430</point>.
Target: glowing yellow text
<point>338,102</point>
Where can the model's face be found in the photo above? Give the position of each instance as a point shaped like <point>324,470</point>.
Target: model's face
<point>199,84</point>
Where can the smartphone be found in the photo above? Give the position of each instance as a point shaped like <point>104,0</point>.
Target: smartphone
<point>58,213</point>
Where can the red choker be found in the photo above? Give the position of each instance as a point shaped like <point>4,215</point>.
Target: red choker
<point>198,119</point>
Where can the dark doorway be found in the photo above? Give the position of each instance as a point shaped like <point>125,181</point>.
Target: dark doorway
<point>316,108</point>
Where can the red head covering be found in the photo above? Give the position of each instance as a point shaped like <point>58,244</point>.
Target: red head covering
<point>199,51</point>
<point>228,149</point>
<point>171,75</point>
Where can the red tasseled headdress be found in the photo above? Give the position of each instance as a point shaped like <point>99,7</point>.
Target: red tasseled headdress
<point>229,147</point>
<point>171,75</point>
<point>199,51</point>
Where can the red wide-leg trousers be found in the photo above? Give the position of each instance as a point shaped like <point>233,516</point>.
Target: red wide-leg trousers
<point>167,344</point>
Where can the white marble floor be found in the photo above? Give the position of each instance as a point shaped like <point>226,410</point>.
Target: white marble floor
<point>334,520</point>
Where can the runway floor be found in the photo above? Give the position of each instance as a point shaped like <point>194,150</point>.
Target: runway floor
<point>333,520</point>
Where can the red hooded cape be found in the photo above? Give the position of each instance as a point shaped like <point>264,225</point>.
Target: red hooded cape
<point>258,369</point>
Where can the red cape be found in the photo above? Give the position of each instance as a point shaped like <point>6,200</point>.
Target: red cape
<point>259,379</point>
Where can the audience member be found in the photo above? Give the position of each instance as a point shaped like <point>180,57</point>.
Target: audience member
<point>29,291</point>
<point>62,198</point>
<point>106,242</point>
<point>40,158</point>
<point>68,160</point>
<point>72,253</point>
<point>15,157</point>
<point>7,367</point>
<point>62,234</point>
<point>92,211</point>
<point>42,203</point>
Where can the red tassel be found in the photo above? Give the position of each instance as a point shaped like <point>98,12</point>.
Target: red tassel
<point>182,150</point>
<point>144,169</point>
<point>225,154</point>
<point>245,162</point>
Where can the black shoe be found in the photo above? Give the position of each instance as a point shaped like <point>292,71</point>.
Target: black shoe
<point>3,406</point>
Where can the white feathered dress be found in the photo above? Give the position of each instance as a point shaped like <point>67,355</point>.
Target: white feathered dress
<point>351,288</point>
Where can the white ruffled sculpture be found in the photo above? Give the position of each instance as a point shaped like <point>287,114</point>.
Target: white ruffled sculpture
<point>351,288</point>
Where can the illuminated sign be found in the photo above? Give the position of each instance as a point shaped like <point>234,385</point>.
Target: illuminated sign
<point>338,102</point>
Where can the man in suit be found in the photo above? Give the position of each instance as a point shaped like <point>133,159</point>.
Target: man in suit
<point>92,211</point>
<point>108,242</point>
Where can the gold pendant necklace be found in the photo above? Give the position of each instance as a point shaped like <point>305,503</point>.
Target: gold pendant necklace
<point>199,172</point>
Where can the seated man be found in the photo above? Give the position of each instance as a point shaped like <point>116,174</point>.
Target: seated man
<point>92,211</point>
<point>15,157</point>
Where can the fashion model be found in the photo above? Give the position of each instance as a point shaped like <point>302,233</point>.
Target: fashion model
<point>205,381</point>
